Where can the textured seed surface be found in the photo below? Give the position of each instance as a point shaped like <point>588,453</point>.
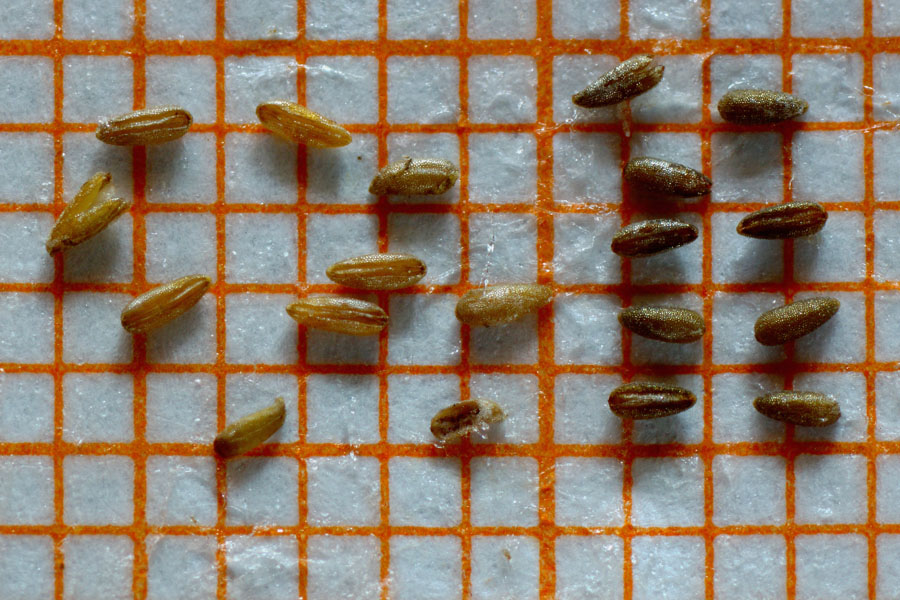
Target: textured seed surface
<point>340,315</point>
<point>89,213</point>
<point>786,323</point>
<point>760,107</point>
<point>300,125</point>
<point>245,434</point>
<point>413,177</point>
<point>498,304</point>
<point>646,238</point>
<point>795,219</point>
<point>807,409</point>
<point>147,126</point>
<point>664,323</point>
<point>667,177</point>
<point>649,400</point>
<point>164,303</point>
<point>378,271</point>
<point>463,418</point>
<point>629,79</point>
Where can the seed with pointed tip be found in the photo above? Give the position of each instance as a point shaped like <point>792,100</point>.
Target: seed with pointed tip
<point>459,420</point>
<point>340,315</point>
<point>245,434</point>
<point>664,323</point>
<point>300,125</point>
<point>786,323</point>
<point>667,177</point>
<point>89,213</point>
<point>147,126</point>
<point>646,238</point>
<point>378,271</point>
<point>760,107</point>
<point>807,409</point>
<point>791,220</point>
<point>164,303</point>
<point>643,400</point>
<point>415,177</point>
<point>497,304</point>
<point>629,79</point>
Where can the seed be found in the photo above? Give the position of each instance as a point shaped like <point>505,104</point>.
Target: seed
<point>378,271</point>
<point>646,238</point>
<point>649,400</point>
<point>245,434</point>
<point>497,304</point>
<point>300,125</point>
<point>785,323</point>
<point>469,416</point>
<point>163,303</point>
<point>629,79</point>
<point>760,107</point>
<point>660,175</point>
<point>414,177</point>
<point>146,126</point>
<point>340,315</point>
<point>664,323</point>
<point>807,409</point>
<point>89,213</point>
<point>795,219</point>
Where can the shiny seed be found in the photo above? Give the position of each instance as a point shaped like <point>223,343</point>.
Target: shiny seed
<point>414,177</point>
<point>786,323</point>
<point>649,400</point>
<point>340,315</point>
<point>497,304</point>
<point>760,107</point>
<point>89,213</point>
<point>463,418</point>
<point>378,271</point>
<point>300,125</point>
<point>629,79</point>
<point>667,177</point>
<point>664,323</point>
<point>646,238</point>
<point>245,434</point>
<point>807,409</point>
<point>164,303</point>
<point>146,126</point>
<point>792,220</point>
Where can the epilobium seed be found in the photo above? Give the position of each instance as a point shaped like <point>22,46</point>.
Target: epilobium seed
<point>629,79</point>
<point>146,126</point>
<point>498,304</point>
<point>649,400</point>
<point>786,323</point>
<point>667,177</point>
<point>300,125</point>
<point>807,409</point>
<point>164,303</point>
<point>340,315</point>
<point>664,323</point>
<point>792,220</point>
<point>378,271</point>
<point>415,177</point>
<point>89,213</point>
<point>646,238</point>
<point>760,107</point>
<point>463,418</point>
<point>245,434</point>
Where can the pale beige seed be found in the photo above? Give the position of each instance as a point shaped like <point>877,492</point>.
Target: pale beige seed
<point>646,238</point>
<point>300,125</point>
<point>248,433</point>
<point>145,127</point>
<point>497,304</point>
<point>787,323</point>
<point>760,107</point>
<point>664,323</point>
<point>340,315</point>
<point>378,271</point>
<point>649,400</point>
<point>629,79</point>
<point>89,213</point>
<point>415,177</point>
<point>666,177</point>
<point>151,310</point>
<point>463,418</point>
<point>807,409</point>
<point>791,220</point>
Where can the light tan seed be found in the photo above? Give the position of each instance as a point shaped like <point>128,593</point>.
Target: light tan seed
<point>145,127</point>
<point>415,177</point>
<point>248,433</point>
<point>792,220</point>
<point>463,418</point>
<point>807,409</point>
<point>340,315</point>
<point>664,323</point>
<point>667,177</point>
<point>300,125</point>
<point>497,304</point>
<point>151,310</point>
<point>786,323</point>
<point>378,271</point>
<point>646,238</point>
<point>649,400</point>
<point>89,213</point>
<point>629,79</point>
<point>760,107</point>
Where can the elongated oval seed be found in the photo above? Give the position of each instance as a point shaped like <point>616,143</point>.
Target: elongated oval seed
<point>785,323</point>
<point>89,213</point>
<point>649,400</point>
<point>340,315</point>
<point>164,303</point>
<point>463,418</point>
<point>807,409</point>
<point>791,220</point>
<point>414,177</point>
<point>245,434</point>
<point>378,271</point>
<point>646,238</point>
<point>664,323</point>
<point>629,79</point>
<point>147,126</point>
<point>498,304</point>
<point>760,107</point>
<point>667,177</point>
<point>300,125</point>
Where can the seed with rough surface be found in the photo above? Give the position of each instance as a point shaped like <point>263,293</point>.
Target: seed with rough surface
<point>785,323</point>
<point>666,177</point>
<point>760,107</point>
<point>151,310</point>
<point>463,418</point>
<point>89,213</point>
<point>497,304</point>
<point>415,177</point>
<point>792,220</point>
<point>646,238</point>
<point>378,271</point>
<point>300,125</point>
<point>664,323</point>
<point>245,434</point>
<point>649,400</point>
<point>807,409</point>
<point>145,127</point>
<point>340,315</point>
<point>629,79</point>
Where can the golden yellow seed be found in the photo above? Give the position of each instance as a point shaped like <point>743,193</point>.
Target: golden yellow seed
<point>786,323</point>
<point>649,400</point>
<point>89,213</point>
<point>378,271</point>
<point>807,409</point>
<point>629,79</point>
<point>497,304</point>
<point>646,238</point>
<point>664,323</point>
<point>667,177</point>
<point>782,221</point>
<point>463,418</point>
<point>414,177</point>
<point>245,434</point>
<point>339,315</point>
<point>153,309</point>
<point>300,125</point>
<point>760,107</point>
<point>147,126</point>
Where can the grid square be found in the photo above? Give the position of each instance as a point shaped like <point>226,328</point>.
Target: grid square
<point>502,248</point>
<point>886,85</point>
<point>181,490</point>
<point>326,20</point>
<point>587,330</point>
<point>26,497</point>
<point>740,559</point>
<point>181,408</point>
<point>27,84</point>
<point>188,81</point>
<point>98,566</point>
<point>831,18</point>
<point>831,83</point>
<point>98,490</point>
<point>888,498</point>
<point>749,490</point>
<point>580,414</point>
<point>343,491</point>
<point>262,491</point>
<point>830,489</point>
<point>84,157</point>
<point>329,348</point>
<point>26,567</point>
<point>261,19</point>
<point>502,89</point>
<point>181,19</point>
<point>645,351</point>
<point>504,491</point>
<point>190,339</point>
<point>22,255</point>
<point>683,428</point>
<point>423,89</point>
<point>886,161</point>
<point>737,258</point>
<point>96,87</point>
<point>505,567</point>
<point>503,168</point>
<point>181,567</point>
<point>589,492</point>
<point>732,328</point>
<point>331,238</point>
<point>261,248</point>
<point>413,401</point>
<point>342,409</point>
<point>888,577</point>
<point>733,72</point>
<point>747,167</point>
<point>677,98</point>
<point>585,19</point>
<point>734,418</point>
<point>589,567</point>
<point>842,339</point>
<point>737,19</point>
<point>164,257</point>
<point>342,175</point>
<point>26,327</point>
<point>831,567</point>
<point>885,18</point>
<point>26,167</point>
<point>838,255</point>
<point>26,20</point>
<point>343,566</point>
<point>579,254</point>
<point>246,393</point>
<point>257,330</point>
<point>586,168</point>
<point>106,257</point>
<point>669,567</point>
<point>98,407</point>
<point>518,395</point>
<point>262,567</point>
<point>432,145</point>
<point>887,406</point>
<point>424,330</point>
<point>434,238</point>
<point>828,166</point>
<point>260,169</point>
<point>437,479</point>
<point>425,568</point>
<point>343,87</point>
<point>422,19</point>
<point>667,492</point>
<point>92,331</point>
<point>887,309</point>
<point>849,389</point>
<point>574,72</point>
<point>249,78</point>
<point>506,19</point>
<point>98,19</point>
<point>26,407</point>
<point>664,19</point>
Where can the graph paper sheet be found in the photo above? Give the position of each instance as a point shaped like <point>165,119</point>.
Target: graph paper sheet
<point>108,485</point>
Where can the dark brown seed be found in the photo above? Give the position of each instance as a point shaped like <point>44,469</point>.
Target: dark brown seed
<point>646,238</point>
<point>629,79</point>
<point>807,409</point>
<point>660,175</point>
<point>664,323</point>
<point>786,323</point>
<point>409,177</point>
<point>147,126</point>
<point>497,304</point>
<point>760,107</point>
<point>649,400</point>
<point>460,419</point>
<point>792,220</point>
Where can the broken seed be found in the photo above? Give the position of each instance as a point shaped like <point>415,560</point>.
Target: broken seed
<point>646,238</point>
<point>300,125</point>
<point>496,304</point>
<point>785,323</point>
<point>146,126</point>
<point>629,79</point>
<point>463,418</point>
<point>664,323</point>
<point>378,271</point>
<point>792,220</point>
<point>340,315</point>
<point>415,177</point>
<point>245,434</point>
<point>162,304</point>
<point>807,409</point>
<point>760,107</point>
<point>649,400</point>
<point>666,177</point>
<point>89,213</point>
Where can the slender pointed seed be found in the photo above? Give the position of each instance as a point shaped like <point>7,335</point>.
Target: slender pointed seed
<point>145,127</point>
<point>667,177</point>
<point>629,79</point>
<point>300,125</point>
<point>760,107</point>
<point>339,315</point>
<point>664,323</point>
<point>252,431</point>
<point>782,221</point>
<point>91,210</point>
<point>807,409</point>
<point>415,177</point>
<point>378,271</point>
<point>153,309</point>
<point>497,304</point>
<point>463,418</point>
<point>643,400</point>
<point>646,238</point>
<point>786,323</point>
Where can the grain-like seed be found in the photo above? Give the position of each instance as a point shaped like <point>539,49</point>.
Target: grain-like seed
<point>151,310</point>
<point>300,125</point>
<point>783,324</point>
<point>248,433</point>
<point>646,238</point>
<point>463,418</point>
<point>649,400</point>
<point>792,220</point>
<point>415,177</point>
<point>760,107</point>
<point>145,127</point>
<point>664,323</point>
<point>340,315</point>
<point>667,177</point>
<point>629,79</point>
<point>807,409</point>
<point>378,271</point>
<point>497,304</point>
<point>92,209</point>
